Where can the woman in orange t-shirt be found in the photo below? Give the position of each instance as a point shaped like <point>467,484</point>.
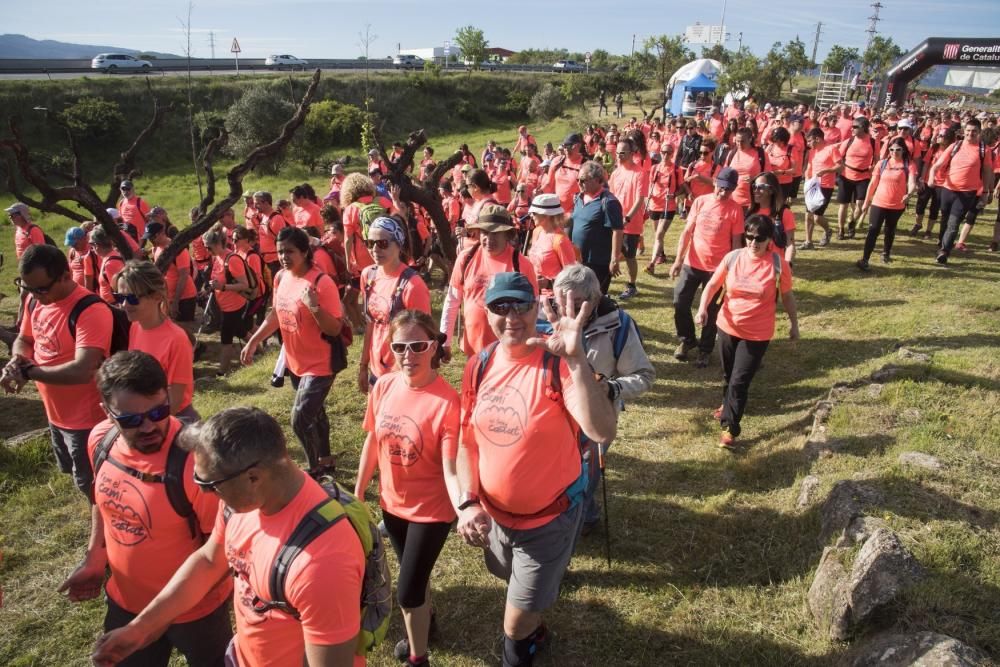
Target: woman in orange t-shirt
<point>769,199</point>
<point>754,278</point>
<point>229,284</point>
<point>413,423</point>
<point>661,203</point>
<point>142,291</point>
<point>894,181</point>
<point>550,250</point>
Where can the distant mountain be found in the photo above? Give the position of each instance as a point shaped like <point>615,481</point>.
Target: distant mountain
<point>20,46</point>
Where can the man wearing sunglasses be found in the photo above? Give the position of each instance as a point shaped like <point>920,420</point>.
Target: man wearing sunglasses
<point>133,210</point>
<point>136,528</point>
<point>858,155</point>
<point>525,401</point>
<point>61,364</point>
<point>240,455</point>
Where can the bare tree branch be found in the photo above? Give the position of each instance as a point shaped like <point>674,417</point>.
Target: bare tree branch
<point>126,169</point>
<point>207,159</point>
<point>15,189</point>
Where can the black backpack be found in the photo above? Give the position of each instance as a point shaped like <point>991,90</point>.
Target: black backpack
<point>251,291</point>
<point>172,478</point>
<point>120,325</point>
<point>780,238</point>
<point>48,239</point>
<point>338,343</point>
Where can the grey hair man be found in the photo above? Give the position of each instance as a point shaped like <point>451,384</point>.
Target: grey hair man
<point>596,224</point>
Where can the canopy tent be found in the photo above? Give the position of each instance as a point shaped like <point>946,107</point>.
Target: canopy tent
<point>684,100</point>
<point>710,68</point>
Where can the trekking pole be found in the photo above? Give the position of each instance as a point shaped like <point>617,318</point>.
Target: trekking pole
<point>604,491</point>
<point>205,313</point>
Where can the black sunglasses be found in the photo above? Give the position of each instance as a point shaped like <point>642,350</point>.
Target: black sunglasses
<point>414,346</point>
<point>756,239</point>
<point>134,420</point>
<point>120,298</point>
<point>35,290</point>
<point>381,244</point>
<point>206,485</point>
<point>504,308</point>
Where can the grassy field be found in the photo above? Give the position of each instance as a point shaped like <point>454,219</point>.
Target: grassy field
<point>712,561</point>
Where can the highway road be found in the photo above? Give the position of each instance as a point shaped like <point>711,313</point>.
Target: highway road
<point>13,76</point>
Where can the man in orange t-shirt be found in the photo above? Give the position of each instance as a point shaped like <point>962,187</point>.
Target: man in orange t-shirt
<point>134,211</point>
<point>857,157</point>
<point>240,454</point>
<point>137,530</point>
<point>525,401</point>
<point>306,212</point>
<point>629,184</point>
<point>60,361</point>
<point>714,227</point>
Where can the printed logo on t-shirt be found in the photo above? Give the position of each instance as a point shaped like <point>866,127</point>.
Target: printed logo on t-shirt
<point>478,292</point>
<point>288,314</point>
<point>239,562</point>
<point>378,307</point>
<point>126,512</point>
<point>400,435</point>
<point>500,415</point>
<point>744,285</point>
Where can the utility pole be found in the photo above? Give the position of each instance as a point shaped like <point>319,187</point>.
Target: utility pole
<point>722,26</point>
<point>211,42</point>
<point>873,24</point>
<point>819,31</point>
<point>632,52</point>
<point>740,47</point>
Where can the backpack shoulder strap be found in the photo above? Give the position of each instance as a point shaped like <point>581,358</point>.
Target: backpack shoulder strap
<point>397,295</point>
<point>173,482</point>
<point>467,260</point>
<point>550,368</point>
<point>624,329</point>
<point>83,304</point>
<point>101,452</point>
<point>484,359</point>
<point>776,258</point>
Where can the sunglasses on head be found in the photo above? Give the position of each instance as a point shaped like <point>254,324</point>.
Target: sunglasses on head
<point>130,299</point>
<point>35,290</point>
<point>381,244</point>
<point>756,239</point>
<point>134,420</point>
<point>212,486</point>
<point>504,308</point>
<point>414,346</point>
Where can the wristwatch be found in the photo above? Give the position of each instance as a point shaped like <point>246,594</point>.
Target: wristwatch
<point>467,499</point>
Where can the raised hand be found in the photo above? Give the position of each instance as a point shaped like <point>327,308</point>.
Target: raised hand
<point>567,328</point>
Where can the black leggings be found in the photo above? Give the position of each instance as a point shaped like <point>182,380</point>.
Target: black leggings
<point>877,216</point>
<point>740,360</point>
<point>417,546</point>
<point>929,195</point>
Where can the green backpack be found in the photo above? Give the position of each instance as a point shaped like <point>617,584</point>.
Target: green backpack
<point>367,213</point>
<point>376,588</point>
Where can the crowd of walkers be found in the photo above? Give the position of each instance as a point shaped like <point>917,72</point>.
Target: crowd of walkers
<point>190,513</point>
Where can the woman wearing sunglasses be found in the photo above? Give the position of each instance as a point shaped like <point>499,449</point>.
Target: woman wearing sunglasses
<point>142,293</point>
<point>388,287</point>
<point>228,283</point>
<point>664,185</point>
<point>754,278</point>
<point>551,250</point>
<point>412,422</point>
<point>769,199</point>
<point>894,181</point>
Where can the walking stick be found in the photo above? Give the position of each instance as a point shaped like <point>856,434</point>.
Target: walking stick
<point>604,491</point>
<point>205,313</point>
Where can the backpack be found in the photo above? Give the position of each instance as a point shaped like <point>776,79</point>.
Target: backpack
<point>625,324</point>
<point>514,260</point>
<point>376,587</point>
<point>172,478</point>
<point>396,304</point>
<point>885,163</point>
<point>367,214</point>
<point>251,291</point>
<point>48,239</point>
<point>732,153</point>
<point>780,235</point>
<point>120,326</point>
<point>338,343</point>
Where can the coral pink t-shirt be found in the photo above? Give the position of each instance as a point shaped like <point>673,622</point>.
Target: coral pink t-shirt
<point>147,539</point>
<point>27,236</point>
<point>965,170</point>
<point>824,158</point>
<point>134,212</point>
<point>526,439</point>
<point>703,167</point>
<point>780,158</point>
<point>181,261</point>
<point>747,164</point>
<point>170,346</point>
<point>889,182</point>
<point>307,215</point>
<point>107,278</point>
<point>229,300</point>
<point>379,288</point>
<point>750,303</point>
<point>323,583</point>
<point>663,183</point>
<point>858,157</point>
<point>629,184</point>
<point>306,351</point>
<point>415,430</point>
<point>550,252</point>
<point>563,175</point>
<point>715,221</point>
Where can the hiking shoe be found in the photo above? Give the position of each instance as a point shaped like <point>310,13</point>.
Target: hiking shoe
<point>681,353</point>
<point>886,259</point>
<point>961,246</point>
<point>717,413</point>
<point>402,649</point>
<point>702,360</point>
<point>277,381</point>
<point>660,259</point>
<point>916,228</point>
<point>927,235</point>
<point>862,264</point>
<point>650,268</point>
<point>806,245</point>
<point>841,236</point>
<point>827,235</point>
<point>942,258</point>
<point>727,440</point>
<point>542,638</point>
<point>629,292</point>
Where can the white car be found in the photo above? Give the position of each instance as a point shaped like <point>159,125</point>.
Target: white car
<point>406,61</point>
<point>113,62</point>
<point>566,66</point>
<point>286,60</point>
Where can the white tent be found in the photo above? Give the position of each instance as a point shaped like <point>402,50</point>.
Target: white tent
<point>706,66</point>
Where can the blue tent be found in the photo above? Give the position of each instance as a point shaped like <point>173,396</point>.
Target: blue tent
<point>684,89</point>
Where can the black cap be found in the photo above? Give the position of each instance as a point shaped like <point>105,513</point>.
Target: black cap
<point>572,138</point>
<point>152,229</point>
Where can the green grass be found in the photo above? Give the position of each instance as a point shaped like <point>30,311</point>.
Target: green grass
<point>712,561</point>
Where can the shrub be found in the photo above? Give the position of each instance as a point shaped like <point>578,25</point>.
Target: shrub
<point>329,123</point>
<point>255,118</point>
<point>467,111</point>
<point>93,118</point>
<point>517,103</point>
<point>547,104</point>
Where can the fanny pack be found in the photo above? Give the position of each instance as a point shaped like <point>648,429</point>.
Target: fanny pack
<point>565,501</point>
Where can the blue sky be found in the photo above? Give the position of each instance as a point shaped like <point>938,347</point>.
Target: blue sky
<point>330,28</point>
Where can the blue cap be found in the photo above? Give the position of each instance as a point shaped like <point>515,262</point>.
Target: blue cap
<point>73,235</point>
<point>509,286</point>
<point>727,178</point>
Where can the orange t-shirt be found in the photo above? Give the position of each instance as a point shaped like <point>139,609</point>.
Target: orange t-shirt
<point>267,235</point>
<point>256,265</point>
<point>107,279</point>
<point>965,171</point>
<point>787,217</point>
<point>716,222</point>
<point>798,147</point>
<point>527,441</point>
<point>91,267</point>
<point>27,236</point>
<point>352,226</point>
<point>844,126</point>
<point>777,157</point>
<point>323,261</point>
<point>750,304</point>
<point>563,175</point>
<point>629,184</point>
<point>481,267</point>
<point>379,288</point>
<point>68,406</point>
<point>889,183</point>
<point>308,215</point>
<point>550,252</point>
<point>824,158</point>
<point>306,351</point>
<point>323,583</point>
<point>134,212</point>
<point>415,430</point>
<point>704,167</point>
<point>181,261</point>
<point>228,300</point>
<point>857,157</point>
<point>663,183</point>
<point>147,540</point>
<point>170,346</point>
<point>76,267</point>
<point>199,252</point>
<point>747,164</point>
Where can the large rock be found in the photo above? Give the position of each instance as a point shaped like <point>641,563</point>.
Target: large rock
<point>840,602</point>
<point>807,491</point>
<point>918,357</point>
<point>920,460</point>
<point>923,649</point>
<point>859,530</point>
<point>847,500</point>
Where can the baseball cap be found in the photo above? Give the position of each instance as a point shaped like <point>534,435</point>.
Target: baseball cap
<point>152,229</point>
<point>18,208</point>
<point>373,152</point>
<point>492,218</point>
<point>126,185</point>
<point>73,235</point>
<point>509,285</point>
<point>546,204</point>
<point>572,138</point>
<point>727,178</point>
<point>905,123</point>
<point>114,214</point>
<point>795,118</point>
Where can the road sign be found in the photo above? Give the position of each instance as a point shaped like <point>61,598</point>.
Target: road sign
<point>704,34</point>
<point>447,48</point>
<point>235,48</point>
<point>587,56</point>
